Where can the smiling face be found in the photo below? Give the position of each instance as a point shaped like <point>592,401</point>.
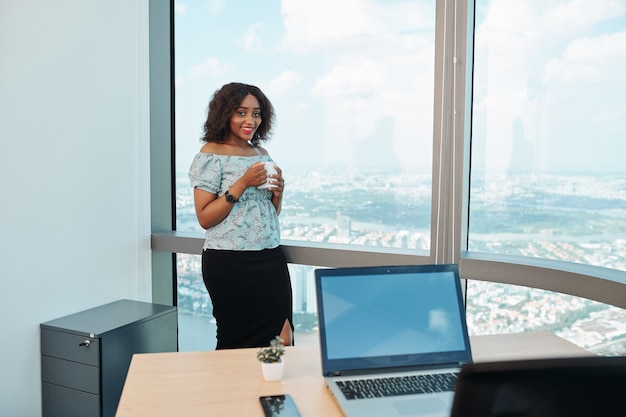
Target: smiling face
<point>245,120</point>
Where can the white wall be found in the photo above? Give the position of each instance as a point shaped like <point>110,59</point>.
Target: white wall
<point>74,172</point>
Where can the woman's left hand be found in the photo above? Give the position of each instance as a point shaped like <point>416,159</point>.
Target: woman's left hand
<point>278,183</point>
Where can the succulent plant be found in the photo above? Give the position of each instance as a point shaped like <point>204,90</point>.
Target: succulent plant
<point>273,353</point>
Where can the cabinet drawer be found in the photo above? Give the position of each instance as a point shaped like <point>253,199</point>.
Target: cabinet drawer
<point>70,374</point>
<point>58,401</point>
<point>68,346</point>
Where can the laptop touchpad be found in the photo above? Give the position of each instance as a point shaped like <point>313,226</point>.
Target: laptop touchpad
<point>423,406</point>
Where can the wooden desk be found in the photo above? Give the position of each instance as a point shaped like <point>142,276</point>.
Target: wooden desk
<point>229,382</point>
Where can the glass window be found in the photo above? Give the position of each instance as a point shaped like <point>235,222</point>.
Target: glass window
<point>196,325</point>
<point>548,179</point>
<point>494,308</point>
<point>352,85</point>
<point>548,127</point>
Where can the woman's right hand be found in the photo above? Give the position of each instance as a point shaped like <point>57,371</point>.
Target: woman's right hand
<point>255,175</point>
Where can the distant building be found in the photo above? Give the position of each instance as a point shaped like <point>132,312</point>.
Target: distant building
<point>344,226</point>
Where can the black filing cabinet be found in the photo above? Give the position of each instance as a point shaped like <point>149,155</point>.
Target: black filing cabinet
<point>85,356</point>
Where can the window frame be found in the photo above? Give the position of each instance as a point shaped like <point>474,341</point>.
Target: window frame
<point>450,181</point>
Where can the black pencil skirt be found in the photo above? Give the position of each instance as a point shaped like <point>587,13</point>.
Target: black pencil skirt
<point>251,295</point>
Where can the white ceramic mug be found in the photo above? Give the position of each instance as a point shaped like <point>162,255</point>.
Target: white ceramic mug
<point>270,167</point>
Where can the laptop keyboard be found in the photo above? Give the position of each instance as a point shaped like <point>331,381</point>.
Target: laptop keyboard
<point>400,385</point>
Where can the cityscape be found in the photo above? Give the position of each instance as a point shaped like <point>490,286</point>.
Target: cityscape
<point>551,217</point>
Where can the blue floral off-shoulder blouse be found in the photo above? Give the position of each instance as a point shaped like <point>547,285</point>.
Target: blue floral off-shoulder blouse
<point>252,223</point>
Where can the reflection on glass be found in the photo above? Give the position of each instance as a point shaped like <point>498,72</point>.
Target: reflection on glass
<point>548,129</point>
<point>548,179</point>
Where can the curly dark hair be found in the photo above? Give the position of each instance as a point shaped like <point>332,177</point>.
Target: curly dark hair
<point>225,102</point>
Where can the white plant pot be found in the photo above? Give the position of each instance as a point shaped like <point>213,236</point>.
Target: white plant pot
<point>273,371</point>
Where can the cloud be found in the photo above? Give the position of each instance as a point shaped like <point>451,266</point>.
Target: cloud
<point>285,82</point>
<point>251,37</point>
<point>589,61</point>
<point>375,57</point>
<point>347,22</point>
<point>210,68</point>
<point>357,78</point>
<point>179,81</point>
<point>214,7</point>
<point>570,17</point>
<point>180,8</point>
<point>315,23</point>
<point>546,24</point>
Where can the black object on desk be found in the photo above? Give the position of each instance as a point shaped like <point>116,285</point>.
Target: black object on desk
<point>558,387</point>
<point>85,356</point>
<point>279,406</point>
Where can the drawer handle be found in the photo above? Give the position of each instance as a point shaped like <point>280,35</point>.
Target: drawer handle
<point>86,343</point>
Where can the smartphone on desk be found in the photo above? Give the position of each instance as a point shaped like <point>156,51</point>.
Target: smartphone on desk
<point>279,406</point>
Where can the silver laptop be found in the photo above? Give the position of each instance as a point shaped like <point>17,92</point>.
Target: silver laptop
<point>392,338</point>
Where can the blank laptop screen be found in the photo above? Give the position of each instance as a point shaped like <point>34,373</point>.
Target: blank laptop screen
<point>412,313</point>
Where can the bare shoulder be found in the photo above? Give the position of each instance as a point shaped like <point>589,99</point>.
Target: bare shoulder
<point>212,147</point>
<point>261,150</point>
<point>228,148</point>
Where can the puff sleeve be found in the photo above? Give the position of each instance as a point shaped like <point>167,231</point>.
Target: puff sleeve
<point>205,173</point>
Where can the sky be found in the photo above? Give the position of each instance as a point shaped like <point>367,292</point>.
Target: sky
<point>335,72</point>
<point>550,85</point>
<point>352,80</point>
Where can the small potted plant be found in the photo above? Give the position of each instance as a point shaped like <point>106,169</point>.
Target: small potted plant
<point>271,359</point>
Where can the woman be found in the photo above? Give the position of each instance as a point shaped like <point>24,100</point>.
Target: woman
<point>243,266</point>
